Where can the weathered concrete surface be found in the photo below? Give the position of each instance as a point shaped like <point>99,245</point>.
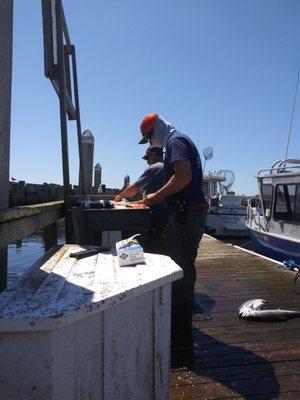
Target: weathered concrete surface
<point>87,329</point>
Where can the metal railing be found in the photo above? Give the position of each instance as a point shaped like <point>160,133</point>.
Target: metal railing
<point>289,165</point>
<point>253,215</point>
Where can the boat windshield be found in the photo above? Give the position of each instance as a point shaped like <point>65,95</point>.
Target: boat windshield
<point>287,203</point>
<point>267,198</point>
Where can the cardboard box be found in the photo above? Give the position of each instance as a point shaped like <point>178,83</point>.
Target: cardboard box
<point>129,251</point>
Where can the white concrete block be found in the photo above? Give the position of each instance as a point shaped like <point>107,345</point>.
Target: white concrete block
<point>87,329</point>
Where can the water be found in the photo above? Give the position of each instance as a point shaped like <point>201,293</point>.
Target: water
<point>24,253</point>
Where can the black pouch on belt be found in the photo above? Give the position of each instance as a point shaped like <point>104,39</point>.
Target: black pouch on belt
<point>181,211</point>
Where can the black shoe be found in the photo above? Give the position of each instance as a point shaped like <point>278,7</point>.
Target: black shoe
<point>181,331</point>
<point>182,357</point>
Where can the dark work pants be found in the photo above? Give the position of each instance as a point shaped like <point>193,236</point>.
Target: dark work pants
<point>182,245</point>
<point>156,235</point>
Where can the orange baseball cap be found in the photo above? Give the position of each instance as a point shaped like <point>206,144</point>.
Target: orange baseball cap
<point>147,126</point>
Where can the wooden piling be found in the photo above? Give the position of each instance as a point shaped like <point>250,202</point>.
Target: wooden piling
<point>21,192</point>
<point>6,31</point>
<point>87,154</point>
<point>15,194</point>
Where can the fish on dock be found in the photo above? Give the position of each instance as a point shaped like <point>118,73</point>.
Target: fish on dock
<point>252,310</point>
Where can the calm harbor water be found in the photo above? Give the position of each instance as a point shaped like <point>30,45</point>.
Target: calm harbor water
<point>24,253</point>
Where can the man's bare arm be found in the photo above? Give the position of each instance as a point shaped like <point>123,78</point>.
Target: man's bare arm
<point>130,191</point>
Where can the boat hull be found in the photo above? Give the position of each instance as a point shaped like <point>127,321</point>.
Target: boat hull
<point>227,224</point>
<point>275,247</point>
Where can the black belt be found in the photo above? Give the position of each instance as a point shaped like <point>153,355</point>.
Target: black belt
<point>182,209</point>
<point>197,207</point>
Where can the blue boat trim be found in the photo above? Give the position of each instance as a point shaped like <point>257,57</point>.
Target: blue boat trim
<point>275,247</point>
<point>231,214</point>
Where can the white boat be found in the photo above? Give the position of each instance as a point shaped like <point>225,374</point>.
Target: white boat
<point>227,211</point>
<point>273,220</point>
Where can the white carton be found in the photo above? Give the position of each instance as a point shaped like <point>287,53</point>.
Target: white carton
<point>129,251</point>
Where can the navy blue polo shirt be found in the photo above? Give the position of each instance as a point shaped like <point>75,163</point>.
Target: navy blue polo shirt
<point>152,179</point>
<point>180,147</point>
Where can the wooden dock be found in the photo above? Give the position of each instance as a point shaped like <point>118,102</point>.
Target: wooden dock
<point>238,359</point>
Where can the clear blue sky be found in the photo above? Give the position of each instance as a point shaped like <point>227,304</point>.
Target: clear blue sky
<point>223,71</point>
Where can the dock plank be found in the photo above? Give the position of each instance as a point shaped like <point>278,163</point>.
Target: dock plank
<point>234,358</point>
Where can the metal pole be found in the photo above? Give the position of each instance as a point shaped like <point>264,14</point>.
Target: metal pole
<point>62,106</point>
<point>78,122</point>
<point>204,165</point>
<point>6,36</point>
<point>292,116</point>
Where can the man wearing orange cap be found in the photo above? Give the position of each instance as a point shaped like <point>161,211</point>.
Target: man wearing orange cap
<point>185,201</point>
<point>151,180</point>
